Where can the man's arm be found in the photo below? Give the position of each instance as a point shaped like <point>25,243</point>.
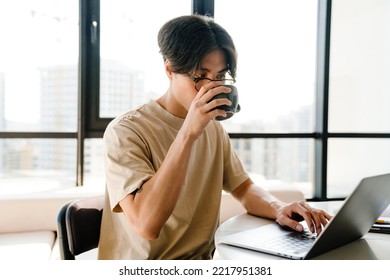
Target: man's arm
<point>148,209</point>
<point>259,202</point>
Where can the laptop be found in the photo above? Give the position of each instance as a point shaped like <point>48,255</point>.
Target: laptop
<point>353,220</point>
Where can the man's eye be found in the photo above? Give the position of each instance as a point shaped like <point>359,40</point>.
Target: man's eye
<point>221,77</point>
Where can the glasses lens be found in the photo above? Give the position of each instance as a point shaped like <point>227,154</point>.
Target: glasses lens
<point>228,81</point>
<point>201,82</point>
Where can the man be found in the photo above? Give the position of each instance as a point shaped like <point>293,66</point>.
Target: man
<point>168,161</point>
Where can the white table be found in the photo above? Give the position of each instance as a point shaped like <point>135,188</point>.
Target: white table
<point>371,246</point>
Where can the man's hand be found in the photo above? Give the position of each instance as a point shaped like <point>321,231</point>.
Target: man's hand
<point>291,214</point>
<point>202,111</point>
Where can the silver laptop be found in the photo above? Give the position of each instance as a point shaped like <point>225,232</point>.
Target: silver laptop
<point>353,220</point>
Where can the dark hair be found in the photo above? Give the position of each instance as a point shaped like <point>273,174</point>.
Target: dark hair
<point>186,40</point>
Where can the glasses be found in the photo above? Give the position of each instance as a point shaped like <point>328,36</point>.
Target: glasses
<point>200,82</point>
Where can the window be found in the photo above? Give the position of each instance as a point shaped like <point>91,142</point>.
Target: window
<point>359,93</point>
<point>360,67</point>
<point>131,67</point>
<point>38,94</point>
<point>39,57</point>
<point>312,81</point>
<point>276,45</point>
<point>36,165</point>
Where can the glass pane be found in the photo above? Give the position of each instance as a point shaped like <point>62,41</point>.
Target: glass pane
<point>359,99</point>
<point>350,160</point>
<point>278,163</point>
<point>132,69</point>
<point>36,165</point>
<point>94,172</point>
<point>38,69</point>
<point>276,44</point>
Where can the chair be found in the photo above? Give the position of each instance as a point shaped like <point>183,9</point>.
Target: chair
<point>78,225</point>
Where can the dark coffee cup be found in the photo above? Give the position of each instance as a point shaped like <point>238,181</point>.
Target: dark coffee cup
<point>232,109</point>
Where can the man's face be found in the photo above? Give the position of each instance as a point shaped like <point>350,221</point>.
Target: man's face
<point>213,66</point>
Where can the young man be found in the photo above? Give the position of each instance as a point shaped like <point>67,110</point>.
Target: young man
<point>168,161</point>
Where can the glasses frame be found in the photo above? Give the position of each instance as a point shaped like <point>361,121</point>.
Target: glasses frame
<point>197,80</point>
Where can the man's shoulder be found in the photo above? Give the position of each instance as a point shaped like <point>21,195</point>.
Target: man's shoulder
<point>135,115</point>
<point>127,121</point>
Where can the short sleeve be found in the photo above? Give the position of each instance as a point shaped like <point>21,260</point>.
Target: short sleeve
<point>127,161</point>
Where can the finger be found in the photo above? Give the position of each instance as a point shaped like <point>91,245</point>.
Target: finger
<point>214,88</point>
<point>321,221</point>
<point>207,87</point>
<point>216,113</point>
<point>319,217</point>
<point>301,209</point>
<point>213,104</point>
<point>288,222</point>
<point>310,215</point>
<point>325,218</point>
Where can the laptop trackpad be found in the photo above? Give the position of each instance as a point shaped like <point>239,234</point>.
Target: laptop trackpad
<point>272,239</point>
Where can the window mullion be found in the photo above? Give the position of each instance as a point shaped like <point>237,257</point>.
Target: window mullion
<point>203,7</point>
<point>88,76</point>
<point>322,94</point>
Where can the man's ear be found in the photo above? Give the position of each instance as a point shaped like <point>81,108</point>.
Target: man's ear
<point>168,71</point>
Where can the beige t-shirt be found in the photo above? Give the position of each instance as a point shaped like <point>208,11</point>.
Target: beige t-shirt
<point>135,146</point>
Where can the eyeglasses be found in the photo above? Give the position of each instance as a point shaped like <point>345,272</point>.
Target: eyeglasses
<point>200,82</point>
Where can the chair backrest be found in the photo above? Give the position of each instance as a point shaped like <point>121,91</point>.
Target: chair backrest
<point>78,225</point>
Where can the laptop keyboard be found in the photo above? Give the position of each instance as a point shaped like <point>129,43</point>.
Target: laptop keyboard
<point>294,242</point>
